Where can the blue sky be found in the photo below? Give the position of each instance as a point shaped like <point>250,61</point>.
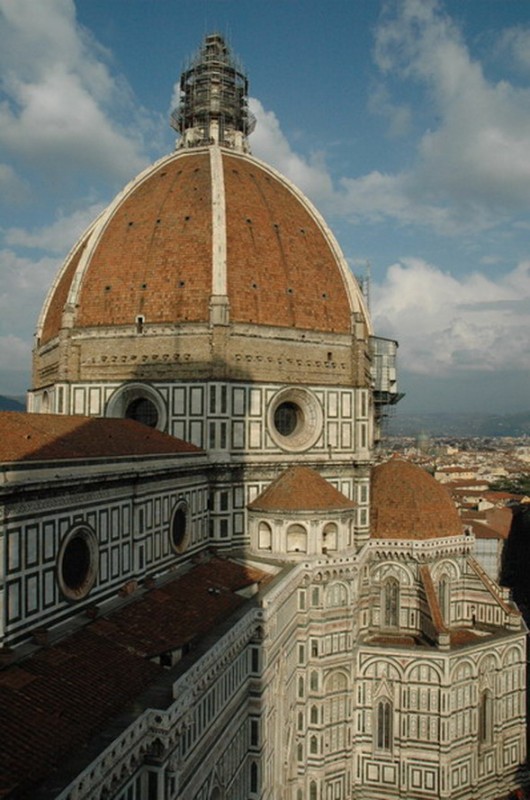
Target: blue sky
<point>407,123</point>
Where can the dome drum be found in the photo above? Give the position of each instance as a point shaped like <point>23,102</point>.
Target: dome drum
<point>202,351</point>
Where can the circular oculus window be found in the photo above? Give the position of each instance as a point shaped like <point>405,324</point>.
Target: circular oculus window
<point>142,410</point>
<point>138,401</point>
<point>179,528</point>
<point>77,563</point>
<point>294,419</point>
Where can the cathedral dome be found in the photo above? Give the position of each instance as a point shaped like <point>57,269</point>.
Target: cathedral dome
<point>209,266</point>
<point>202,228</point>
<point>408,503</point>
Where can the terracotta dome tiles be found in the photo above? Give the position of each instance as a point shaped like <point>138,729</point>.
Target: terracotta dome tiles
<point>301,489</point>
<point>408,503</point>
<point>152,255</point>
<point>282,271</point>
<point>59,295</point>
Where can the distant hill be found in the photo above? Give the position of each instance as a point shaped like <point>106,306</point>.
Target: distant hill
<point>471,424</point>
<point>12,403</point>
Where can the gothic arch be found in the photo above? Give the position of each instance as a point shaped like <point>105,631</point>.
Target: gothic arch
<point>383,724</point>
<point>379,667</point>
<point>392,569</point>
<point>390,602</point>
<point>465,669</point>
<point>432,676</point>
<point>513,655</point>
<point>336,595</point>
<point>336,681</point>
<point>445,567</point>
<point>489,662</point>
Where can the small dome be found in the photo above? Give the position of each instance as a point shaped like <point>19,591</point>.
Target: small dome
<point>408,503</point>
<point>301,489</point>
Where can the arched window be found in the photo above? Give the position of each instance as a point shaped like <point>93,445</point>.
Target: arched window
<point>300,721</point>
<point>300,687</point>
<point>296,539</point>
<point>264,536</point>
<point>313,681</point>
<point>444,598</point>
<point>314,715</point>
<point>313,745</point>
<point>312,791</point>
<point>390,603</point>
<point>336,595</point>
<point>383,730</point>
<point>300,752</point>
<point>329,536</point>
<point>485,718</point>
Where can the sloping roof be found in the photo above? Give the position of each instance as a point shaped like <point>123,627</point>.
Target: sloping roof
<point>301,489</point>
<point>45,437</point>
<point>408,503</point>
<point>56,701</point>
<point>483,531</point>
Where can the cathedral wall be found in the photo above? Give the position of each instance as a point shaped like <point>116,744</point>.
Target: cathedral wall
<point>309,682</point>
<point>435,725</point>
<point>233,417</point>
<point>119,528</point>
<point>235,423</point>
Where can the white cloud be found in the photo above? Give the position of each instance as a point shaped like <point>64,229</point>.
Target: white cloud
<point>516,41</point>
<point>269,143</point>
<point>12,188</point>
<point>472,169</point>
<point>23,286</point>
<point>398,114</point>
<point>14,352</point>
<point>446,324</point>
<point>62,107</point>
<point>58,237</point>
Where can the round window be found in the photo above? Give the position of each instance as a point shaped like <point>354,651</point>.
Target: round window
<point>179,533</point>
<point>294,419</point>
<point>140,402</point>
<point>287,417</point>
<point>77,566</point>
<point>142,410</point>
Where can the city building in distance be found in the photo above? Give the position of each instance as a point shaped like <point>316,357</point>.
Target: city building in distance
<point>208,591</point>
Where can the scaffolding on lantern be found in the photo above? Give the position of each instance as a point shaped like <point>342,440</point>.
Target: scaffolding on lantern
<point>213,106</point>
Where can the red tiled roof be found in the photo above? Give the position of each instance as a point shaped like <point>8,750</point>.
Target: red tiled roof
<point>301,489</point>
<point>42,437</point>
<point>432,599</point>
<point>408,503</point>
<point>54,702</point>
<point>181,611</point>
<point>483,531</point>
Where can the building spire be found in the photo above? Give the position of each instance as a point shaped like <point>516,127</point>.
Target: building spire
<point>213,105</point>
